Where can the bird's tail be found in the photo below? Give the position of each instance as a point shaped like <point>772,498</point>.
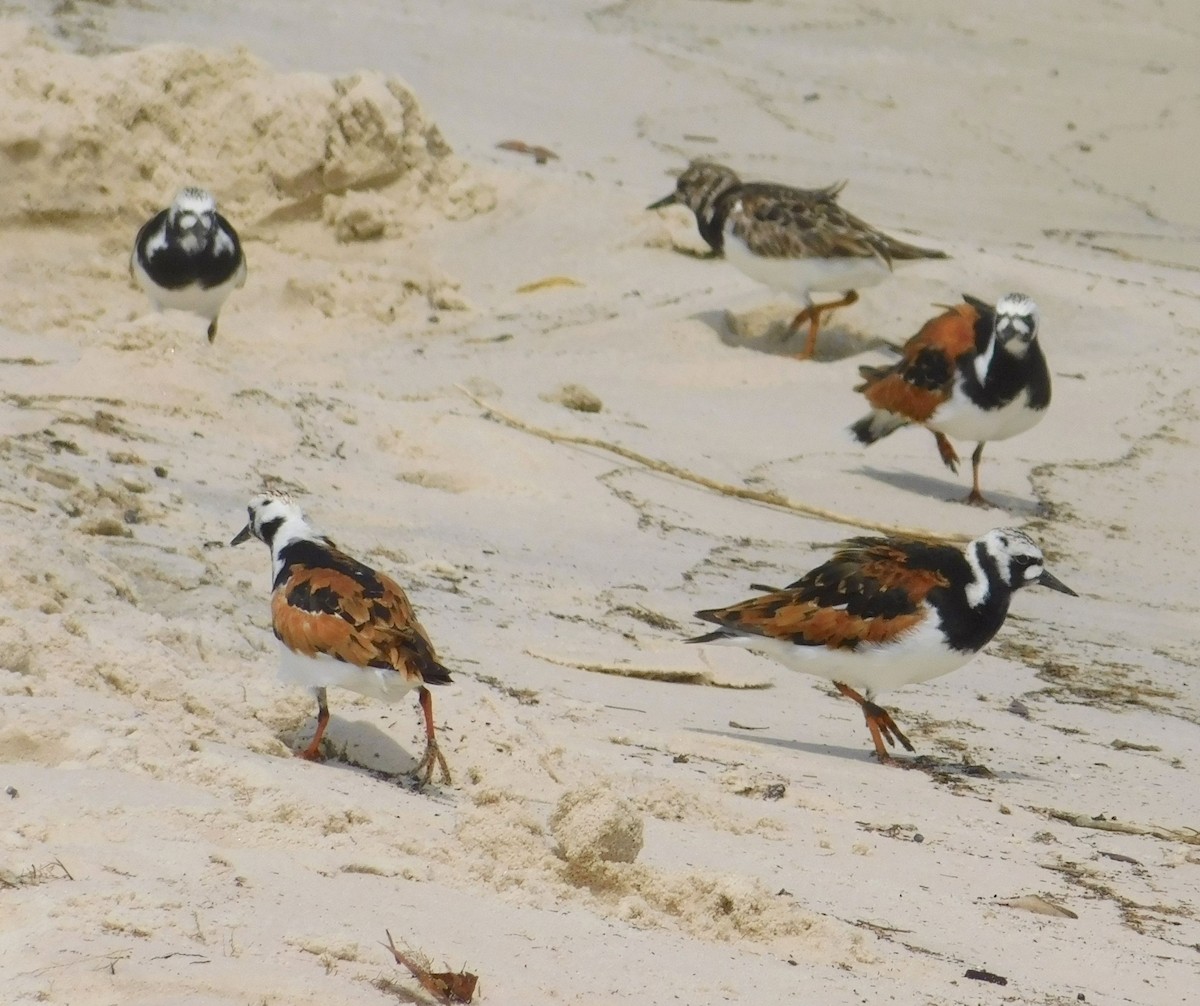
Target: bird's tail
<point>902,251</point>
<point>710,637</point>
<point>434,673</point>
<point>876,425</point>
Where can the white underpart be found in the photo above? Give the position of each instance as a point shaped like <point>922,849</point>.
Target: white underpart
<point>325,672</point>
<point>918,655</point>
<point>962,419</point>
<point>193,298</point>
<point>800,276</point>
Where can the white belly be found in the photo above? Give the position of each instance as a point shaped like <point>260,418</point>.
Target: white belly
<point>919,655</point>
<point>800,276</point>
<point>194,298</point>
<point>960,418</point>
<point>325,672</point>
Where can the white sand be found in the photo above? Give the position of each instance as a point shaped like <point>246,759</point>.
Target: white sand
<point>143,737</point>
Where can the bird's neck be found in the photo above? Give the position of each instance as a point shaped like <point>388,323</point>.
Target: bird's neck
<point>973,609</point>
<point>711,211</point>
<point>293,529</point>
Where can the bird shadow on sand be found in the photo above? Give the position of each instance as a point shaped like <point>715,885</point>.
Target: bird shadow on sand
<point>810,747</point>
<point>938,768</point>
<point>355,746</point>
<point>765,330</point>
<point>952,492</point>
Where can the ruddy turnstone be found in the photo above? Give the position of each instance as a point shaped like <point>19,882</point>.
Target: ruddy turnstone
<point>188,257</point>
<point>793,240</point>
<point>974,372</point>
<point>339,622</point>
<point>886,612</point>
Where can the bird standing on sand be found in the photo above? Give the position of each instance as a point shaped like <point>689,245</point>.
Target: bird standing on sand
<point>974,372</point>
<point>794,240</point>
<point>887,612</point>
<point>188,257</point>
<point>339,622</point>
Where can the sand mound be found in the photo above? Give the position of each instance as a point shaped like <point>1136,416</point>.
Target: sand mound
<point>594,825</point>
<point>97,138</point>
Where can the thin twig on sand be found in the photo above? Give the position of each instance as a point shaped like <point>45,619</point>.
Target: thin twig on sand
<point>676,676</point>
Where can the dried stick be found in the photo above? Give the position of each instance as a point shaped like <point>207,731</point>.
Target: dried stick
<point>1189,836</point>
<point>770,498</point>
<point>670,675</point>
<point>19,505</point>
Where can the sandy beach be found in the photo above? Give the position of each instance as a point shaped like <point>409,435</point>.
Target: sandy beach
<point>422,307</point>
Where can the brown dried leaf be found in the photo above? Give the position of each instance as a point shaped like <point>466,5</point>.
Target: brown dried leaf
<point>445,986</point>
<point>539,154</point>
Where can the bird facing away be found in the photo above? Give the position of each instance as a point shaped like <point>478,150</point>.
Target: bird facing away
<point>339,622</point>
<point>188,257</point>
<point>974,373</point>
<point>794,240</point>
<point>887,612</point>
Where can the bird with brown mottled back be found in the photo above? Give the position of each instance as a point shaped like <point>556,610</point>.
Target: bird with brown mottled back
<point>798,241</point>
<point>886,612</point>
<point>974,372</point>
<point>339,622</point>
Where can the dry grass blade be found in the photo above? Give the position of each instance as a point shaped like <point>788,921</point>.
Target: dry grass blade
<point>1188,836</point>
<point>1038,905</point>
<point>18,504</point>
<point>773,499</point>
<point>56,870</point>
<point>445,986</point>
<point>675,676</point>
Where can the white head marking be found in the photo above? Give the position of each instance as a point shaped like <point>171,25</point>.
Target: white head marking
<point>1017,559</point>
<point>1016,323</point>
<point>193,200</point>
<point>1015,327</point>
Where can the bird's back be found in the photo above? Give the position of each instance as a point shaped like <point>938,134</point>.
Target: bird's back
<point>326,603</point>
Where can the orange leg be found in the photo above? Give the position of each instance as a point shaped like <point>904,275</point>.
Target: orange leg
<point>313,751</point>
<point>812,314</point>
<point>433,755</point>
<point>879,722</point>
<point>947,451</point>
<point>975,497</point>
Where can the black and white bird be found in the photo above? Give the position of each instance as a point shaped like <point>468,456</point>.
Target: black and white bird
<point>887,612</point>
<point>188,257</point>
<point>339,622</point>
<point>793,240</point>
<point>974,373</point>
